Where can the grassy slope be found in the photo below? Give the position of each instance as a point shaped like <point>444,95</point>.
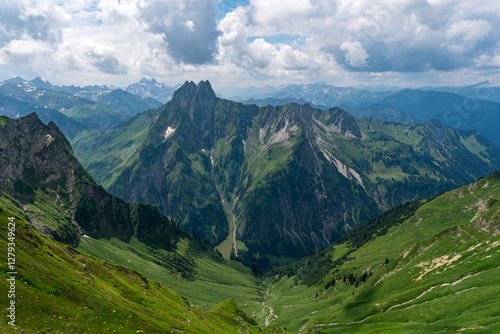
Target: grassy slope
<point>188,269</point>
<point>211,283</point>
<point>120,145</point>
<point>442,274</point>
<point>59,289</point>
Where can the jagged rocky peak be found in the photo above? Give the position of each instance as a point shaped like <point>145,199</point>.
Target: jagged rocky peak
<point>434,124</point>
<point>203,103</point>
<point>184,95</point>
<point>438,133</point>
<point>33,153</point>
<point>191,95</point>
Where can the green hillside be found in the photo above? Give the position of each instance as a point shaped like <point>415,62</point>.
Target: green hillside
<point>14,109</point>
<point>60,290</point>
<point>429,266</point>
<point>114,149</point>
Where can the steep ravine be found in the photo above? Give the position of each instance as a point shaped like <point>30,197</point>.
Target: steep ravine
<point>232,223</point>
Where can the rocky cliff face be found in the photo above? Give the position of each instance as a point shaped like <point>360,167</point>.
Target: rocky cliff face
<point>287,180</point>
<point>173,165</point>
<point>58,196</point>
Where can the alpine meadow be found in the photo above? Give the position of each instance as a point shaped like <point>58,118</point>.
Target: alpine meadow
<point>249,166</point>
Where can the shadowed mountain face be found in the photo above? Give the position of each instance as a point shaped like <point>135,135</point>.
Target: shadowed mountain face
<point>284,180</point>
<point>42,178</point>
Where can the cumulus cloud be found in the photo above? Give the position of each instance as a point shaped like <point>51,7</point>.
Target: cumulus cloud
<point>31,20</point>
<point>355,53</point>
<point>188,27</point>
<point>373,35</point>
<point>272,12</point>
<point>485,61</point>
<point>464,35</point>
<point>259,57</point>
<point>19,52</point>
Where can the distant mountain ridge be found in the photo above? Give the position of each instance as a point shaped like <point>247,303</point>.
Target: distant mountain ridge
<point>145,88</point>
<point>151,88</point>
<point>91,114</point>
<point>126,102</point>
<point>466,108</point>
<point>14,109</point>
<point>474,109</point>
<point>73,90</point>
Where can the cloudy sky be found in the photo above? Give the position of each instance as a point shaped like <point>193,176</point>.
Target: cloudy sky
<point>253,42</point>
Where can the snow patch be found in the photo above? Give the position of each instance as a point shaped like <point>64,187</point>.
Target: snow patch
<point>168,132</point>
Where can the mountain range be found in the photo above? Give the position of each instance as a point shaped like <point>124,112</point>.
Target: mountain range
<point>90,114</point>
<point>473,110</point>
<point>44,185</point>
<point>275,183</point>
<point>474,107</point>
